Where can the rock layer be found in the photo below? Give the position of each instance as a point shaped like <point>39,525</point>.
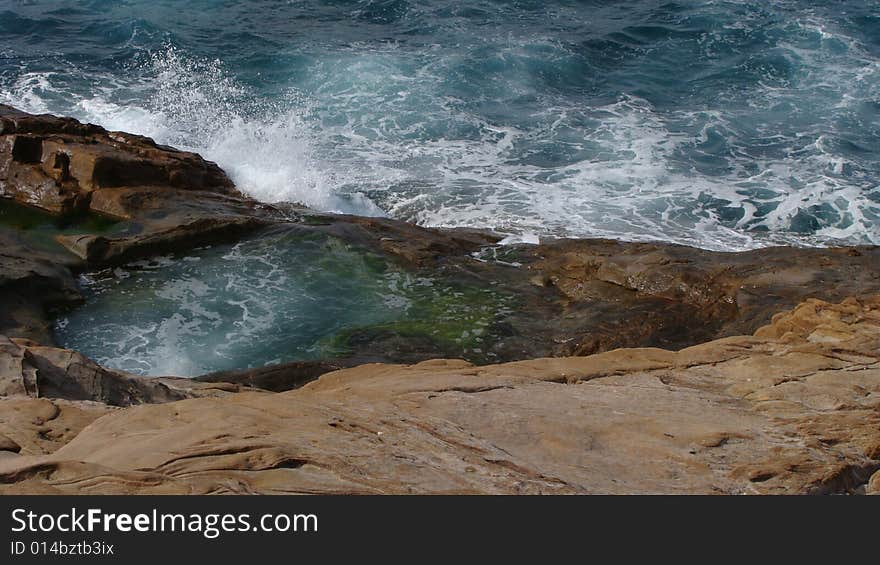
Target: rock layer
<point>31,283</point>
<point>794,408</point>
<point>60,165</point>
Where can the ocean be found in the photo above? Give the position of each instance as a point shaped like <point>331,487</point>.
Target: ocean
<point>724,124</point>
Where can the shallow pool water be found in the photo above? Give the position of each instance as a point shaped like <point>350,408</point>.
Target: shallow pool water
<point>280,297</point>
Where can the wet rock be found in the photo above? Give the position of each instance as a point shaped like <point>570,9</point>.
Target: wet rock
<point>32,370</point>
<point>169,199</point>
<point>776,412</point>
<point>618,294</point>
<point>98,250</point>
<point>57,163</point>
<point>32,282</point>
<point>567,297</point>
<point>276,378</point>
<point>411,244</point>
<point>643,367</point>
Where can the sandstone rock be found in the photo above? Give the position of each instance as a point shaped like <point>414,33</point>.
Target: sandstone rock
<point>565,298</point>
<point>414,245</point>
<point>171,199</point>
<point>569,297</point>
<point>98,250</point>
<point>7,444</point>
<point>56,163</point>
<point>776,412</point>
<point>873,486</point>
<point>619,294</point>
<point>40,426</point>
<point>792,408</point>
<point>31,283</point>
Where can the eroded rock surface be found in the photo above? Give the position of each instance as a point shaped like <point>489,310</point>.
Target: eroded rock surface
<point>617,294</point>
<point>170,199</point>
<point>794,408</point>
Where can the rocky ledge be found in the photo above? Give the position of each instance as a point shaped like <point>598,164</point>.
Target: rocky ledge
<point>791,409</point>
<point>605,366</point>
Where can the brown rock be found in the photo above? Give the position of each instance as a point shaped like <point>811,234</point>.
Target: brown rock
<point>619,294</point>
<point>56,163</point>
<point>568,297</point>
<point>31,283</point>
<point>172,200</point>
<point>276,378</point>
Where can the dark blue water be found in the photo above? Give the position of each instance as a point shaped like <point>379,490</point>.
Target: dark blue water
<point>724,124</point>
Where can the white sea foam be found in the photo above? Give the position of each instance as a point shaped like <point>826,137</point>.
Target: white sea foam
<point>192,104</point>
<point>380,135</point>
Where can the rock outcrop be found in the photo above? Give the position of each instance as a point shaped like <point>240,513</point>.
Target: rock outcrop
<point>32,282</point>
<point>794,408</point>
<point>169,199</point>
<point>28,369</point>
<point>61,165</point>
<point>617,294</point>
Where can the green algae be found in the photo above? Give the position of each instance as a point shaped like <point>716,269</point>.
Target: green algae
<point>40,229</point>
<point>454,318</point>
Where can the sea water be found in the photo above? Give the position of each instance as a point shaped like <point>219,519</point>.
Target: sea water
<point>722,124</point>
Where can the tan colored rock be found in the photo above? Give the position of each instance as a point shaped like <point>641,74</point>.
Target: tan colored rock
<point>770,413</point>
<point>40,425</point>
<point>7,444</point>
<point>874,484</point>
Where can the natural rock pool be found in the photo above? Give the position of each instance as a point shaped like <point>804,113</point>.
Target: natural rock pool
<point>282,296</point>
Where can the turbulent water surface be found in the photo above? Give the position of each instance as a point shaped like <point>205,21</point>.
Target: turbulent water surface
<point>271,299</point>
<point>723,124</point>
